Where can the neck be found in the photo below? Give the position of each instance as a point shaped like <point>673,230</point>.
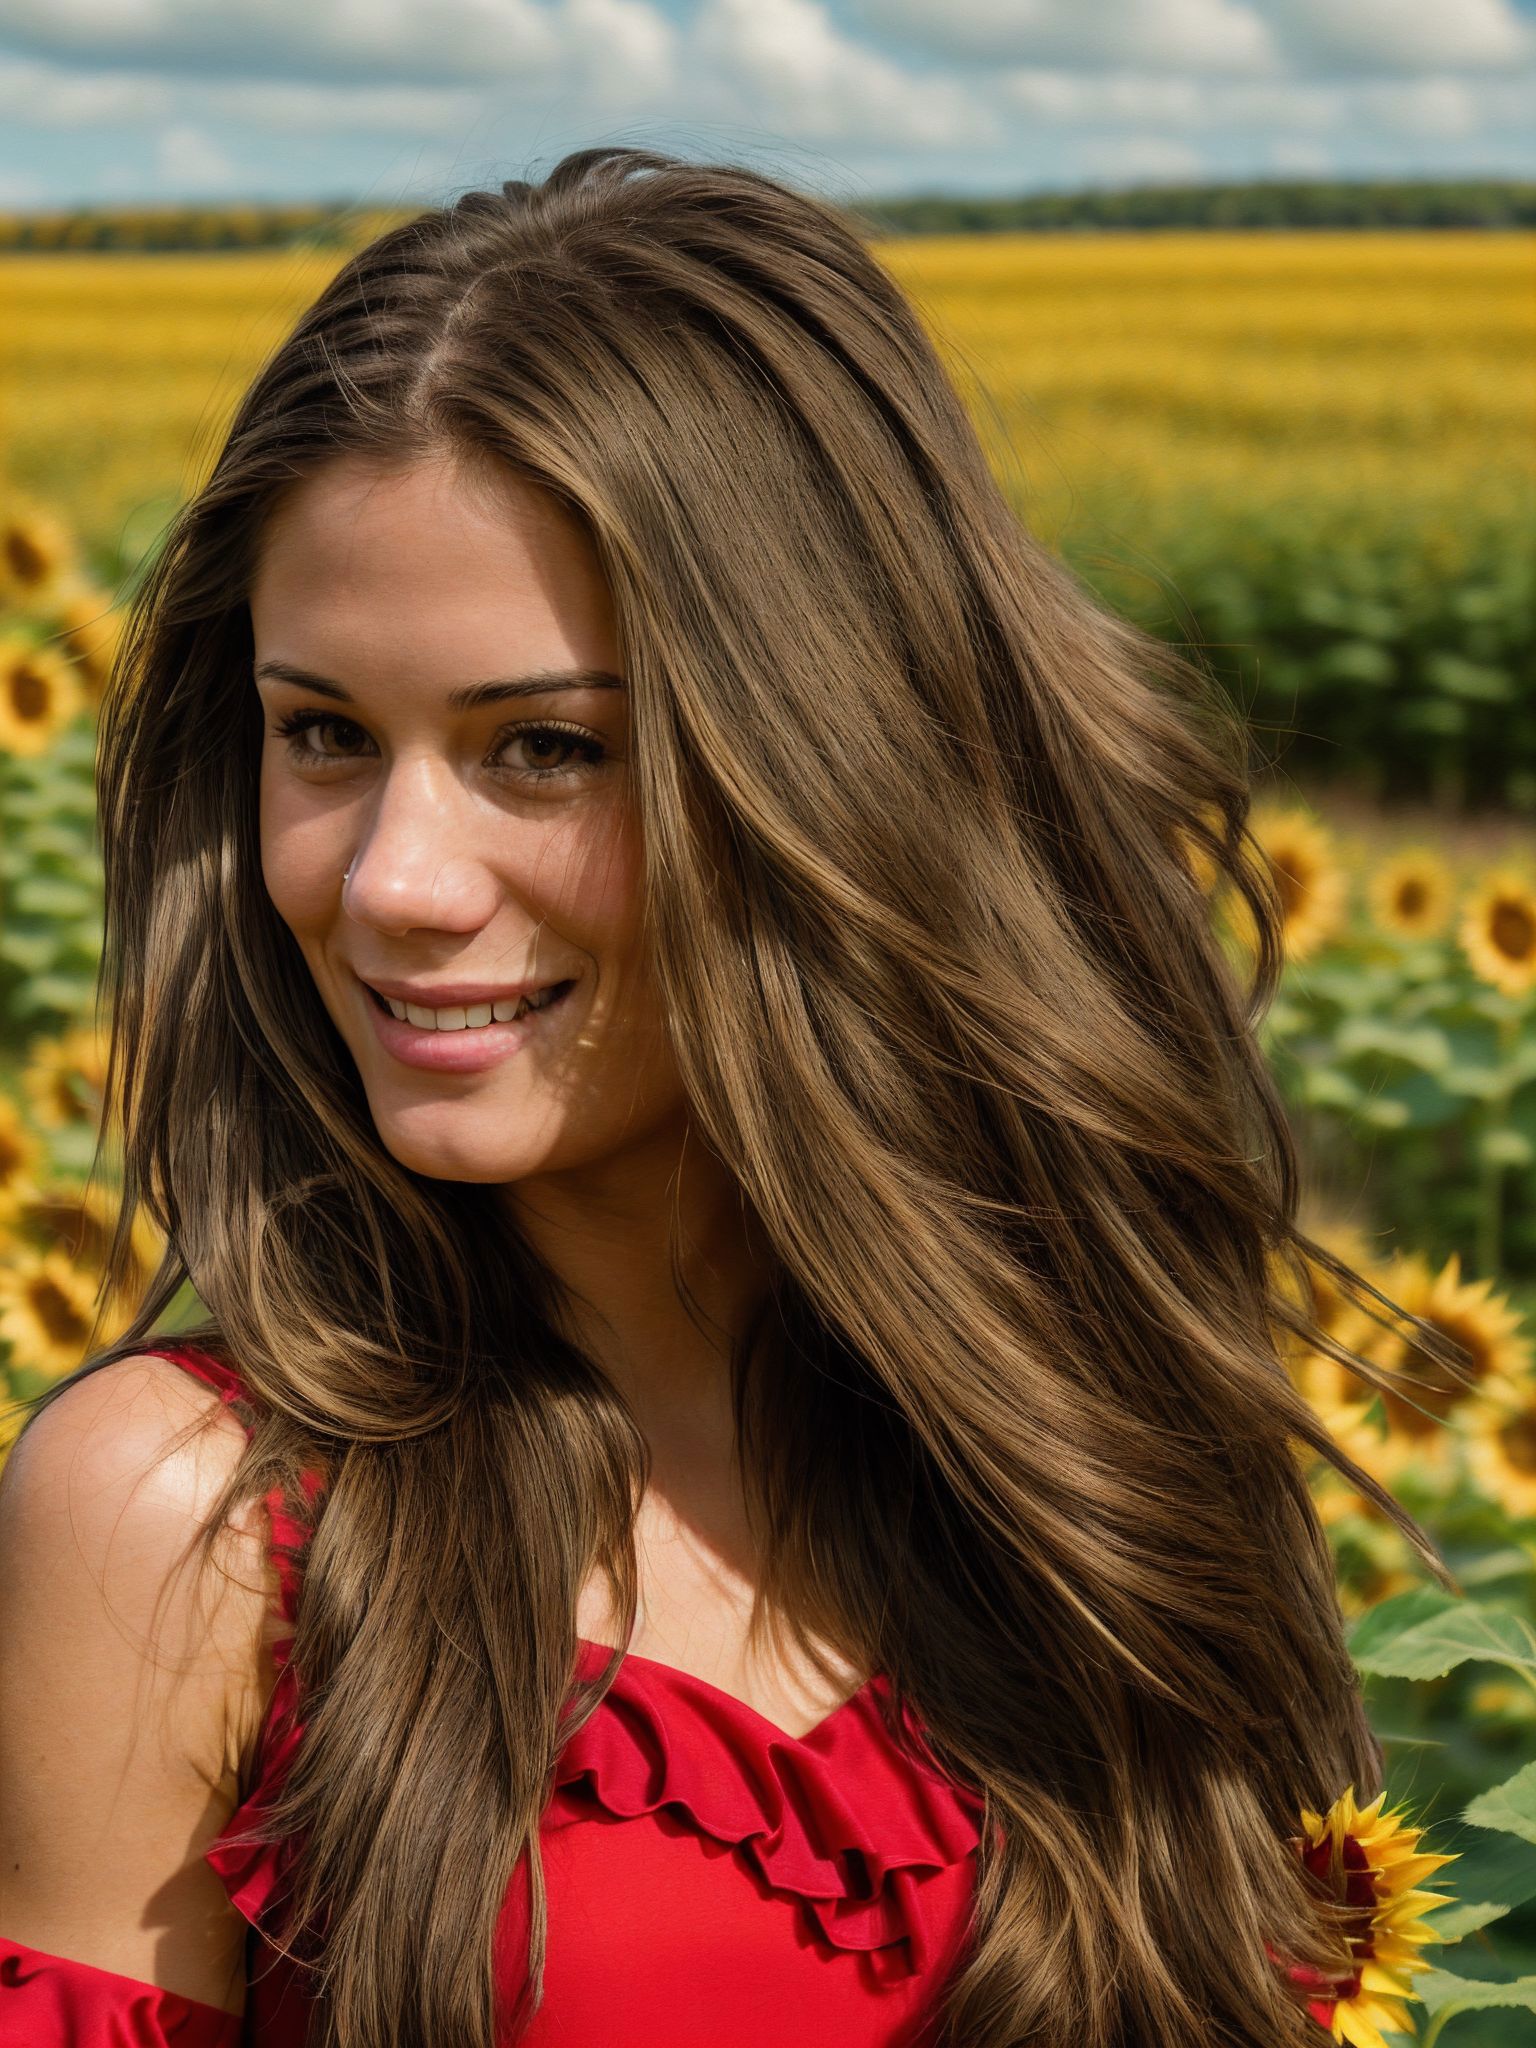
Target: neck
<point>607,1232</point>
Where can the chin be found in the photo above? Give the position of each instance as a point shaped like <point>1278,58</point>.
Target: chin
<point>444,1155</point>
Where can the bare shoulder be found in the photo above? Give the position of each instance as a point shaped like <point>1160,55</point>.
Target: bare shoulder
<point>103,1502</point>
<point>130,1459</point>
<point>135,1405</point>
<point>133,1679</point>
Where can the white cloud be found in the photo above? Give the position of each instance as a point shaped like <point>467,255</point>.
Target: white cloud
<point>793,69</point>
<point>625,49</point>
<point>780,64</point>
<point>1290,157</point>
<point>1146,159</point>
<point>45,96</point>
<point>1445,108</point>
<point>1139,98</point>
<point>413,42</point>
<point>1285,115</point>
<point>338,70</point>
<point>188,159</point>
<point>48,96</point>
<point>298,109</point>
<point>999,94</point>
<point>1153,35</point>
<point>1323,38</point>
<point>1373,36</point>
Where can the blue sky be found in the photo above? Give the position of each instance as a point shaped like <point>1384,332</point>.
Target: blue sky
<point>408,101</point>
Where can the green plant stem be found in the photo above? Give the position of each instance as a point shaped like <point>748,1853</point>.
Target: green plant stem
<point>1439,2020</point>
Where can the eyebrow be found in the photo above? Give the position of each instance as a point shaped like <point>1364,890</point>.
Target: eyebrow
<point>537,683</point>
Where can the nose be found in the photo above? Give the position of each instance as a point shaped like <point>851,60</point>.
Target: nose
<point>416,870</point>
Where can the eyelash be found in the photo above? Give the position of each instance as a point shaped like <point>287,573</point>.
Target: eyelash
<point>297,723</point>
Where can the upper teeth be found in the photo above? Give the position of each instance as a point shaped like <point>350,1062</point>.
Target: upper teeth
<point>468,1018</point>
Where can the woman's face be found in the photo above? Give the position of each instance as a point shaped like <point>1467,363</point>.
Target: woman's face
<point>491,847</point>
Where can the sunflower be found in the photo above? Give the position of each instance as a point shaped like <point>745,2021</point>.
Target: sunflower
<point>1365,1863</point>
<point>1370,1559</point>
<point>90,632</point>
<point>1416,1426</point>
<point>37,555</point>
<point>47,1308</point>
<point>40,692</point>
<point>20,1155</point>
<point>1412,894</point>
<point>1499,1439</point>
<point>1311,882</point>
<point>65,1077</point>
<point>1473,1316</point>
<point>1498,931</point>
<point>1339,1398</point>
<point>1196,857</point>
<point>1421,1398</point>
<point>77,1219</point>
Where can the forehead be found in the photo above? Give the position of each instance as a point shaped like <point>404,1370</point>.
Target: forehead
<point>363,558</point>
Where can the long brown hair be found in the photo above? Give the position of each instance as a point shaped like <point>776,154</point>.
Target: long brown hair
<point>921,824</point>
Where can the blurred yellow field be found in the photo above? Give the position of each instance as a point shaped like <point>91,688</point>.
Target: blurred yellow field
<point>1139,379</point>
<point>1149,373</point>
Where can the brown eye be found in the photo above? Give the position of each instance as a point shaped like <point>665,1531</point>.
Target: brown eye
<point>294,727</point>
<point>554,750</point>
<point>540,741</point>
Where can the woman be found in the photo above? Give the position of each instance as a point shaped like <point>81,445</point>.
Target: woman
<point>853,1287</point>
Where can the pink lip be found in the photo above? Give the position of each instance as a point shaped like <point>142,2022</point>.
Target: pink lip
<point>458,1052</point>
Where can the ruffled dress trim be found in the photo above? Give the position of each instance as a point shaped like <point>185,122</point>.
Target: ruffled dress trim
<point>661,1737</point>
<point>51,1999</point>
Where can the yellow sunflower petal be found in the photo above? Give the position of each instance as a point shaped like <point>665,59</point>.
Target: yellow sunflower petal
<point>40,692</point>
<point>1498,931</point>
<point>1310,880</point>
<point>1411,895</point>
<point>37,554</point>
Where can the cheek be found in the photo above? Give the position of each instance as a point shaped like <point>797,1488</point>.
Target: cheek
<point>588,885</point>
<point>302,856</point>
<point>598,908</point>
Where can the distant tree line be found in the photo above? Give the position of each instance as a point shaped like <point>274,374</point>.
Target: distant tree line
<point>157,229</point>
<point>1277,203</point>
<point>1270,203</point>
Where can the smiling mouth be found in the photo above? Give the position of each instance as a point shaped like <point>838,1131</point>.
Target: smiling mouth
<point>471,1016</point>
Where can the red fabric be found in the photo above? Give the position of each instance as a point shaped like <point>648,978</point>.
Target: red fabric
<point>709,1879</point>
<point>714,1880</point>
<point>46,2002</point>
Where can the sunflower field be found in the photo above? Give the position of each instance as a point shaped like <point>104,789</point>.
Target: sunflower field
<point>1311,459</point>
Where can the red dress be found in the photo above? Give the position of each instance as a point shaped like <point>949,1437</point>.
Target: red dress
<point>710,1879</point>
